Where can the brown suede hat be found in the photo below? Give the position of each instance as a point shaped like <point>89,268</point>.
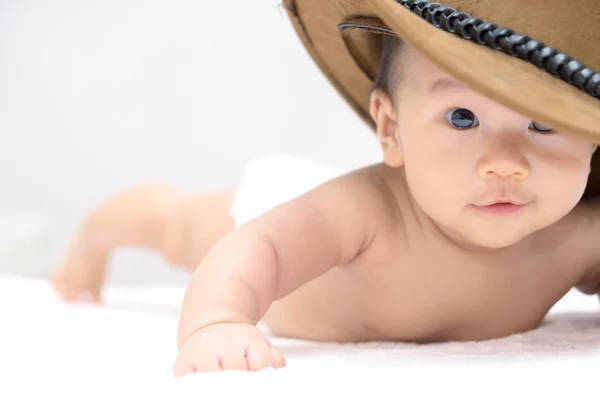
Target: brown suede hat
<point>537,57</point>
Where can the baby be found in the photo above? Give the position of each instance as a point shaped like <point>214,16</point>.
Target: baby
<point>472,228</point>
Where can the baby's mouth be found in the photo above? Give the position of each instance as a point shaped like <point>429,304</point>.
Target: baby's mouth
<point>500,208</point>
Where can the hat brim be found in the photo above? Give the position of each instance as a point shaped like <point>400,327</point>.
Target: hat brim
<point>510,81</point>
<point>517,84</point>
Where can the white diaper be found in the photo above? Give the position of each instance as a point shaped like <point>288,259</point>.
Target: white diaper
<point>275,179</point>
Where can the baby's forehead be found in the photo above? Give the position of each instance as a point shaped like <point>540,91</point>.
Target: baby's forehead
<point>414,69</point>
<point>427,84</point>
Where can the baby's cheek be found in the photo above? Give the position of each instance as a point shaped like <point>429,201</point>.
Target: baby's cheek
<point>435,195</point>
<point>560,199</point>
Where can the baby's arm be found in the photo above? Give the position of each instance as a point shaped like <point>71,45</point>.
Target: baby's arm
<point>586,216</point>
<point>153,216</point>
<point>265,260</point>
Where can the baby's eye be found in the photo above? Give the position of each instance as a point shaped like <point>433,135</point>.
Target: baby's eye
<point>534,126</point>
<point>461,118</point>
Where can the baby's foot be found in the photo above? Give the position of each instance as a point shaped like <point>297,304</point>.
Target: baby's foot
<point>227,346</point>
<point>81,276</point>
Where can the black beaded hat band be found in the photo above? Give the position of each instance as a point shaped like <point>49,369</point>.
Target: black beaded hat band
<point>502,39</point>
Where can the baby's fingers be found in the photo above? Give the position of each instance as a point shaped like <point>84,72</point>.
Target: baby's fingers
<point>259,355</point>
<point>206,364</point>
<point>278,358</point>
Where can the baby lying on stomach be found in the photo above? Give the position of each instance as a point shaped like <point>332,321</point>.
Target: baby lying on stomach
<point>430,245</point>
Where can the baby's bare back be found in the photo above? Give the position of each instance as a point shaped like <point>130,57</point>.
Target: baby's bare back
<point>413,285</point>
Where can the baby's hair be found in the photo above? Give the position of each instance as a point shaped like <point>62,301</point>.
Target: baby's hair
<point>389,73</point>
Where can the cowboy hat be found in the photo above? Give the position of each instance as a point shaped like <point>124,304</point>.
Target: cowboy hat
<point>537,57</point>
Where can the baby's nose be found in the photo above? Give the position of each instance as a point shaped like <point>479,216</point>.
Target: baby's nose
<point>504,160</point>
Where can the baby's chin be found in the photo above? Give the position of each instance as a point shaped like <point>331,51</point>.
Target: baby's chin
<point>492,240</point>
<point>496,242</point>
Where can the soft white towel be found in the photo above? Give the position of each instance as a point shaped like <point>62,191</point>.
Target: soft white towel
<point>125,349</point>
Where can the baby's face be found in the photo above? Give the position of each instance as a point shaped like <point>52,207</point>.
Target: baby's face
<point>487,176</point>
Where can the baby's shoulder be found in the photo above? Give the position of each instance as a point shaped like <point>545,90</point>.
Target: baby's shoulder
<point>377,181</point>
<point>383,190</point>
<point>365,198</point>
<point>582,225</point>
<point>570,246</point>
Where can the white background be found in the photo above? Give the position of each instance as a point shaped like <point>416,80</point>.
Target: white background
<point>99,95</point>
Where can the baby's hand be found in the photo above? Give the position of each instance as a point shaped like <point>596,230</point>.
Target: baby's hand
<point>227,346</point>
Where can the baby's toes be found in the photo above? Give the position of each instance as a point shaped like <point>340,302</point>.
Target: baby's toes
<point>64,289</point>
<point>72,291</point>
<point>259,355</point>
<point>89,292</point>
<point>89,296</point>
<point>70,294</point>
<point>57,284</point>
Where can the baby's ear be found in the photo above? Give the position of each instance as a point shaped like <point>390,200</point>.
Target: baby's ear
<point>383,113</point>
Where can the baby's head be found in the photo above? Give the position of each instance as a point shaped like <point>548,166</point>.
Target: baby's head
<point>462,151</point>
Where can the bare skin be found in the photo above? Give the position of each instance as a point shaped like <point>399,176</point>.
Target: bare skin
<point>422,247</point>
<point>180,227</point>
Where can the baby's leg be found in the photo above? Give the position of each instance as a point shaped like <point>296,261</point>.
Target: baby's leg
<point>157,217</point>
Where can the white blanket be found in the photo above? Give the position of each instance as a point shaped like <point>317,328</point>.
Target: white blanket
<point>125,349</point>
